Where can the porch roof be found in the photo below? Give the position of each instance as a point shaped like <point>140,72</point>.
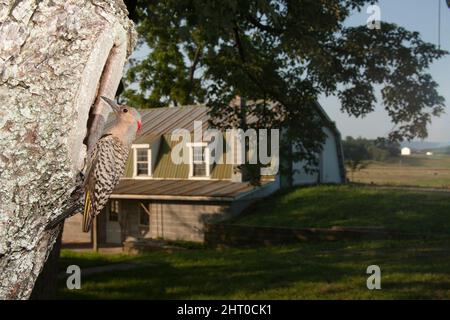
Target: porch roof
<point>177,189</point>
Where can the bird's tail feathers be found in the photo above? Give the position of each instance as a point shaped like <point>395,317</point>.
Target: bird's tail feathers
<point>87,213</point>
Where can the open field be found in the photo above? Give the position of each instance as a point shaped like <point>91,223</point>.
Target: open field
<point>415,170</point>
<point>411,269</point>
<point>354,206</point>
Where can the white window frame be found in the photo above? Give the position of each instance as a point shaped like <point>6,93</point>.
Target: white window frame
<point>135,147</point>
<point>191,146</point>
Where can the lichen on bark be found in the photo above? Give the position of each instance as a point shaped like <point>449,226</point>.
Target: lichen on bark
<point>52,54</point>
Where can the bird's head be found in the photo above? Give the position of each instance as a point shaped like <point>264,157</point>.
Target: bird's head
<point>125,114</point>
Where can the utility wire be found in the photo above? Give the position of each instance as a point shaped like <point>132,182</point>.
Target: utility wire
<point>439,24</point>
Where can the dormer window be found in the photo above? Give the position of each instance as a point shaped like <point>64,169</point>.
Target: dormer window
<point>142,161</point>
<point>199,166</point>
<point>199,163</point>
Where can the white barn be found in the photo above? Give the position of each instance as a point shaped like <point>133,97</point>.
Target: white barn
<point>406,151</point>
<point>331,168</point>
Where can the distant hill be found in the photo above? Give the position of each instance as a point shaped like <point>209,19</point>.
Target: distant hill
<point>426,145</point>
<point>441,150</point>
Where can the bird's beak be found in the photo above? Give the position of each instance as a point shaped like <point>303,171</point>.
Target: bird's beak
<point>112,104</point>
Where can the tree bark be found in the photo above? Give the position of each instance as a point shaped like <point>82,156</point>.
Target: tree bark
<point>56,58</point>
<point>46,284</point>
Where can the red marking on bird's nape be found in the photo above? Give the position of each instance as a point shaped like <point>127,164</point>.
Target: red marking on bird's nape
<point>139,126</point>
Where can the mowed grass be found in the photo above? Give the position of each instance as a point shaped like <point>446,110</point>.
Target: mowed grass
<point>415,170</point>
<point>353,206</point>
<point>331,270</point>
<point>410,269</point>
<point>87,259</point>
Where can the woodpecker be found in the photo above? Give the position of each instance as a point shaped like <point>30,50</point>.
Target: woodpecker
<point>107,159</point>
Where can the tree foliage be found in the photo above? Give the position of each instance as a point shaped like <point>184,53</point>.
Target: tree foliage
<point>361,149</point>
<point>359,152</point>
<point>284,51</point>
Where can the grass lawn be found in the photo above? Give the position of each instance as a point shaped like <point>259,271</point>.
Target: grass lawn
<point>348,205</point>
<point>410,269</point>
<point>332,270</point>
<point>415,170</point>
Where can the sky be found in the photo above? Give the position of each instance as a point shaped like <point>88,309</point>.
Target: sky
<point>414,15</point>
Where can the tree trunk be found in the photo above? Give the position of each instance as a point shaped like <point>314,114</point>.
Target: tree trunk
<point>46,284</point>
<point>56,58</point>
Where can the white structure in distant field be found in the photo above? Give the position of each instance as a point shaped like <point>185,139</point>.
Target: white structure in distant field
<point>406,151</point>
<point>429,153</point>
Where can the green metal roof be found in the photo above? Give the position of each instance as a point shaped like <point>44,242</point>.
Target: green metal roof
<point>164,166</point>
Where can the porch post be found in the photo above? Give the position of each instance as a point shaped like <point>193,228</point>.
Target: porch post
<point>94,235</point>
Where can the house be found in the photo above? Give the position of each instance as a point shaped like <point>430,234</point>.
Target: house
<point>160,198</point>
<point>406,151</point>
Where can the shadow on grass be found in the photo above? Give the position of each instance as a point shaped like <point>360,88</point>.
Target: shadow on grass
<point>330,270</point>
